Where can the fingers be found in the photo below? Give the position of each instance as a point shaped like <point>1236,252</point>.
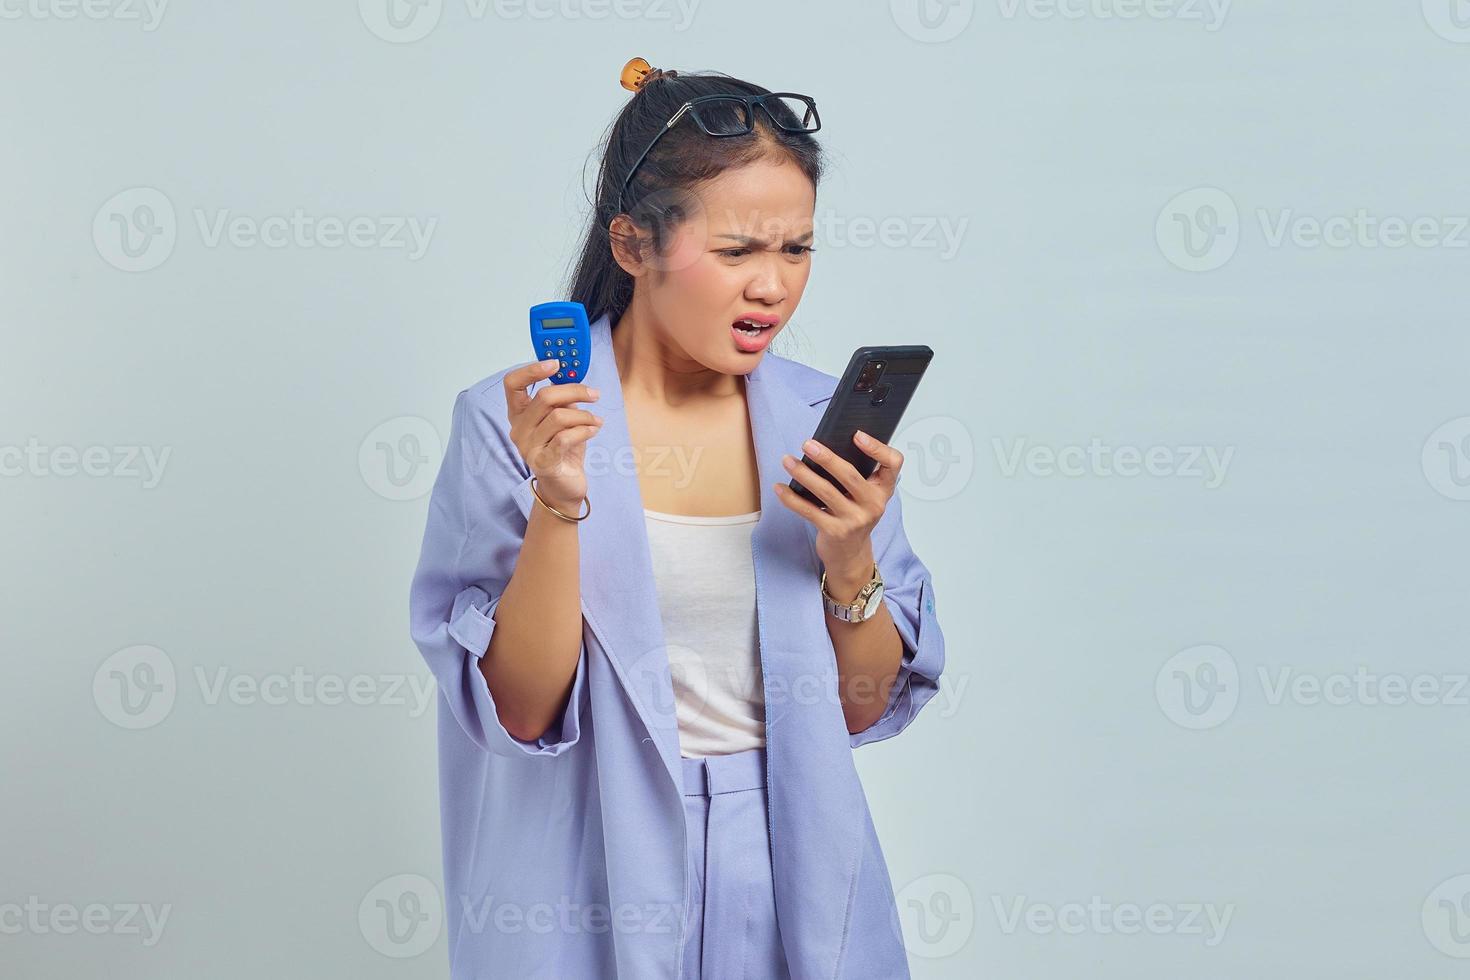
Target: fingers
<point>890,460</point>
<point>563,428</point>
<point>518,380</point>
<point>859,488</point>
<point>824,489</point>
<point>842,471</point>
<point>527,412</point>
<point>800,504</point>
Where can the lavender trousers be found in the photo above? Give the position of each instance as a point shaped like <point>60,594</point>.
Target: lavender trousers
<point>732,930</point>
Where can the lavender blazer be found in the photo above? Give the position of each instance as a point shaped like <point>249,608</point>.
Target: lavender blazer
<point>565,857</point>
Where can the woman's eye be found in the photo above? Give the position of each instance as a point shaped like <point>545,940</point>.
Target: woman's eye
<point>736,253</point>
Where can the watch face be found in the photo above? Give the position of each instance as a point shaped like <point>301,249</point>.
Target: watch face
<point>873,601</point>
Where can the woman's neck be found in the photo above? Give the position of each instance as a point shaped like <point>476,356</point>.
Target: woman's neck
<point>651,368</point>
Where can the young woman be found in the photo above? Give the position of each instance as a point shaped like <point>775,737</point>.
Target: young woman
<point>654,659</point>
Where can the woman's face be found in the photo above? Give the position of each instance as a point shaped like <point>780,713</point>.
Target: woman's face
<point>744,253</point>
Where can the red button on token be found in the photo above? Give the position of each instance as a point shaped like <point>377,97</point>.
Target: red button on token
<point>571,374</point>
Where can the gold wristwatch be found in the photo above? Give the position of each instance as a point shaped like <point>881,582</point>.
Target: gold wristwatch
<point>861,608</point>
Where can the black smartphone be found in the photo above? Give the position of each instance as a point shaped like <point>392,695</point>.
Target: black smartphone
<point>872,395</point>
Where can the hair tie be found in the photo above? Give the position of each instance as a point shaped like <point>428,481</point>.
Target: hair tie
<point>638,73</point>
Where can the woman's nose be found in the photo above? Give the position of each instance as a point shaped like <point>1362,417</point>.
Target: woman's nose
<point>767,284</point>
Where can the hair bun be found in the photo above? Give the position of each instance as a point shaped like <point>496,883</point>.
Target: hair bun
<point>638,73</point>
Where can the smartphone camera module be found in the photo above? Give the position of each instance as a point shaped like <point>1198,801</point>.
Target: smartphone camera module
<point>868,375</point>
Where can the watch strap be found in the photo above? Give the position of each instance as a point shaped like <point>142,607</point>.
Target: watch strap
<point>851,612</point>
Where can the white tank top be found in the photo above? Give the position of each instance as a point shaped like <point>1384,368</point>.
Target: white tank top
<point>705,577</point>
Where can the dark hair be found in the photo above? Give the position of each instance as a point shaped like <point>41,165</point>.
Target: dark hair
<point>658,198</point>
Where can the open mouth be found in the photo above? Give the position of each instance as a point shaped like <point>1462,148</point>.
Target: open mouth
<point>752,335</point>
<point>750,328</point>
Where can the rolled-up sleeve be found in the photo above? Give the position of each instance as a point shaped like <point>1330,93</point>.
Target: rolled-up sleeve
<point>472,536</point>
<point>908,592</point>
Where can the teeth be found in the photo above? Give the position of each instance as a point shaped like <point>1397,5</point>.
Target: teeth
<point>752,325</point>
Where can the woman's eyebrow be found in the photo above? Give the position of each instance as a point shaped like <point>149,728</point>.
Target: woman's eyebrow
<point>750,240</point>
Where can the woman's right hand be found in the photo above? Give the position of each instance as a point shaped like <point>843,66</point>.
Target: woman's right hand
<point>550,434</point>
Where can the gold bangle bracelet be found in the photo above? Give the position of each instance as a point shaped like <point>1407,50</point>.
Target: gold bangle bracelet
<point>558,513</point>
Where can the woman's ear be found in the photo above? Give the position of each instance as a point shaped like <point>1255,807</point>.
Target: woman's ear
<point>627,245</point>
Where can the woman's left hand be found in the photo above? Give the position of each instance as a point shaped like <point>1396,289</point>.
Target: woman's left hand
<point>844,529</point>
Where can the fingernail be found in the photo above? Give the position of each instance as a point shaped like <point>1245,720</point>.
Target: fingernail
<point>861,436</point>
<point>593,392</point>
<point>812,447</point>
